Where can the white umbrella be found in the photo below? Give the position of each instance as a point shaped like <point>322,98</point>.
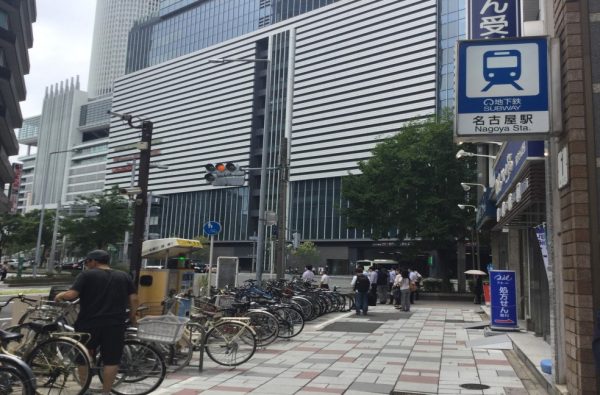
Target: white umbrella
<point>476,272</point>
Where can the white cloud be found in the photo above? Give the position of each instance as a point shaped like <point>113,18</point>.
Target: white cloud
<point>62,43</point>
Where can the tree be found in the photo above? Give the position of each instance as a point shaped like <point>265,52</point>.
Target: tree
<point>108,217</point>
<point>410,187</point>
<point>24,231</point>
<point>307,253</point>
<point>8,227</point>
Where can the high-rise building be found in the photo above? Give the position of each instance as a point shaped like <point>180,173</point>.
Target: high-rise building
<point>340,78</point>
<point>16,38</point>
<point>114,19</point>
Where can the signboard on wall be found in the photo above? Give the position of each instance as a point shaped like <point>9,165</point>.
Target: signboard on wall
<point>494,18</point>
<point>502,89</point>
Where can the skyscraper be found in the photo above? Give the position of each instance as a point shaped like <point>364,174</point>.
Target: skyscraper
<point>15,29</point>
<point>114,19</point>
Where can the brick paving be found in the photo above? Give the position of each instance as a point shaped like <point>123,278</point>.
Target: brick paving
<point>425,351</point>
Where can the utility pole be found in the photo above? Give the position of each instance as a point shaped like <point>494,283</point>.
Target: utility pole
<point>141,199</point>
<point>282,210</point>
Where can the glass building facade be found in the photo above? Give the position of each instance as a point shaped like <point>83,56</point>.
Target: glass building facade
<point>185,26</point>
<point>452,27</point>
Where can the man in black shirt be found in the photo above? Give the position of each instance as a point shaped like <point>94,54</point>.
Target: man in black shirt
<point>104,295</point>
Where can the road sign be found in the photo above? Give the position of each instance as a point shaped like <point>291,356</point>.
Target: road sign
<point>212,228</point>
<point>502,89</point>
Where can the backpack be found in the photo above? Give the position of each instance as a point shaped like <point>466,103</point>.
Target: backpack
<point>362,283</point>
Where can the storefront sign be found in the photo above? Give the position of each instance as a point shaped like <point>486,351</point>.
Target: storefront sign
<point>502,89</point>
<point>504,299</point>
<point>494,18</point>
<point>511,160</point>
<point>540,232</point>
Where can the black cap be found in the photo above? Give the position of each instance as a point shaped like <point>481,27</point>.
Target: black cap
<point>99,255</point>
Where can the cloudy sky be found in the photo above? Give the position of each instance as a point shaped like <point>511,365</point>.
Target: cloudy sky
<point>62,43</point>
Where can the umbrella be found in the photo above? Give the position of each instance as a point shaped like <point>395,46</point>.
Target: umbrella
<point>476,272</point>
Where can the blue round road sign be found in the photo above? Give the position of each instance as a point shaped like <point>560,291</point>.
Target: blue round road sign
<point>212,228</point>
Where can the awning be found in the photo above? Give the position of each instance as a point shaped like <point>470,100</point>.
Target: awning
<point>170,247</point>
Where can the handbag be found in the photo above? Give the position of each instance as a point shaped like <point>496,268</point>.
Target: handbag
<point>413,286</point>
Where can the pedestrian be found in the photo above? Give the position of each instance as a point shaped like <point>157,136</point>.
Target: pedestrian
<point>396,289</point>
<point>413,276</point>
<point>3,271</point>
<point>382,284</point>
<point>308,274</point>
<point>361,285</point>
<point>477,289</point>
<point>405,291</point>
<point>324,283</point>
<point>391,277</point>
<point>372,275</point>
<point>104,296</point>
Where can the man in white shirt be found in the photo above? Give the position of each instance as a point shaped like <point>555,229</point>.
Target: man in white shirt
<point>414,276</point>
<point>308,274</point>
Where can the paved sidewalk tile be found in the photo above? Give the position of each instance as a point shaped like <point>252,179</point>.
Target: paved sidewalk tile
<point>423,352</point>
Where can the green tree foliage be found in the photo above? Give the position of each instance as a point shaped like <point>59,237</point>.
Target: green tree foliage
<point>19,231</point>
<point>97,231</point>
<point>307,253</point>
<point>411,186</point>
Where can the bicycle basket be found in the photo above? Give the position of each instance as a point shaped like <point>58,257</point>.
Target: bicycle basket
<point>162,329</point>
<point>45,312</point>
<point>224,301</point>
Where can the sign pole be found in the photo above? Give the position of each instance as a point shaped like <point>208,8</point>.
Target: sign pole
<point>210,259</point>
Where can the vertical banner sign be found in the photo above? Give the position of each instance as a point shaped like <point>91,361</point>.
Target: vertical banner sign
<point>504,300</point>
<point>494,18</point>
<point>540,232</point>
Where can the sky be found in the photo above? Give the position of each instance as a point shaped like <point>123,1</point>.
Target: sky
<point>62,44</point>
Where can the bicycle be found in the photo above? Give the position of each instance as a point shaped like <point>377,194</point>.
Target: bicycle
<point>16,376</point>
<point>58,361</point>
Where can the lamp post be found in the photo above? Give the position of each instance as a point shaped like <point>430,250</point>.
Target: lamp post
<point>262,200</point>
<point>461,153</point>
<point>467,186</point>
<point>43,209</point>
<point>141,199</point>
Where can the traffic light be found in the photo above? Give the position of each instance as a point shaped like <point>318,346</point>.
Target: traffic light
<point>225,174</point>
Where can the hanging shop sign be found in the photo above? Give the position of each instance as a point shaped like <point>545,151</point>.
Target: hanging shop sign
<point>494,18</point>
<point>503,300</point>
<point>511,161</point>
<point>502,89</point>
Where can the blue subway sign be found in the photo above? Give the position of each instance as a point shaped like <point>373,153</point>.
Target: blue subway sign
<point>503,292</point>
<point>494,19</point>
<point>502,89</point>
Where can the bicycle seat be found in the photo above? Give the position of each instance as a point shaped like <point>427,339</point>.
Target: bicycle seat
<point>9,336</point>
<point>42,327</point>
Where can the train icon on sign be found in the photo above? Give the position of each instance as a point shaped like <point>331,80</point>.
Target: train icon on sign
<point>502,68</point>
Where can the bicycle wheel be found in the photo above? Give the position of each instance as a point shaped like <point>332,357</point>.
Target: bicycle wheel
<point>265,325</point>
<point>230,343</point>
<point>291,322</point>
<point>141,370</point>
<point>176,356</point>
<point>16,378</point>
<point>61,366</point>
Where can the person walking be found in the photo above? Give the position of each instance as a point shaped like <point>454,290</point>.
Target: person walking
<point>405,291</point>
<point>361,285</point>
<point>382,284</point>
<point>396,289</point>
<point>308,274</point>
<point>478,289</point>
<point>372,276</point>
<point>324,280</point>
<point>413,276</point>
<point>391,277</point>
<point>104,296</point>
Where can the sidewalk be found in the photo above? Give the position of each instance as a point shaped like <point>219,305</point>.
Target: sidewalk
<point>426,351</point>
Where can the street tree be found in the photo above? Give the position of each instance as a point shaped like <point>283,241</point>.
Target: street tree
<point>96,221</point>
<point>24,231</point>
<point>307,253</point>
<point>410,187</point>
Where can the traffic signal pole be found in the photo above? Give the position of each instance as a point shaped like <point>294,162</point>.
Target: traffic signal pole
<point>282,210</point>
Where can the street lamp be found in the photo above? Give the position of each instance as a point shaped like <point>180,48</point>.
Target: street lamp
<point>473,233</point>
<point>462,153</point>
<point>43,208</point>
<point>467,186</point>
<point>262,200</point>
<point>463,206</point>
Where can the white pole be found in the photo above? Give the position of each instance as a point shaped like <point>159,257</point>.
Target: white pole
<point>210,259</point>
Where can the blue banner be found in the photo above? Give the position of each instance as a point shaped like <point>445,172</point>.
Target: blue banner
<point>494,18</point>
<point>503,299</point>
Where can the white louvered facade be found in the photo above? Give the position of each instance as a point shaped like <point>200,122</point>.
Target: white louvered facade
<point>360,70</point>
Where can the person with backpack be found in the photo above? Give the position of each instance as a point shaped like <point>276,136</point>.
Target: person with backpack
<point>382,284</point>
<point>361,285</point>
